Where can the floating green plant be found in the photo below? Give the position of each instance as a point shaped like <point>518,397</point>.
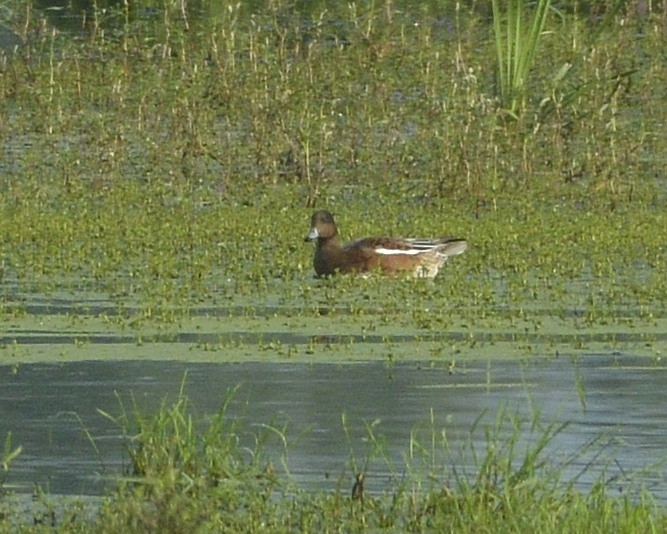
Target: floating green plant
<point>170,179</point>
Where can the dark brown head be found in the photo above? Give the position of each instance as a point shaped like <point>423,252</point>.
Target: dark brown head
<point>322,226</point>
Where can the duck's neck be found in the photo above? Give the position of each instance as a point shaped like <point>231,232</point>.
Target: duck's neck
<point>329,242</point>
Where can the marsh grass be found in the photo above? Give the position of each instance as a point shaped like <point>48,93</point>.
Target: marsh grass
<point>173,164</point>
<point>183,469</point>
<point>170,163</point>
<point>517,42</point>
<point>214,473</point>
<point>9,454</point>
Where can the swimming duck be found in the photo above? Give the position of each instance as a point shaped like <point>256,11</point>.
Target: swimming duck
<point>422,258</point>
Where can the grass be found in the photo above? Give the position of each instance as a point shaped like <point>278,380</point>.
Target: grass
<point>9,455</point>
<point>165,173</point>
<point>516,47</point>
<point>169,180</point>
<point>213,474</point>
<point>185,477</point>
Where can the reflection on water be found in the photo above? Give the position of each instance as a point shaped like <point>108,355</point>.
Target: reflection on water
<point>50,409</point>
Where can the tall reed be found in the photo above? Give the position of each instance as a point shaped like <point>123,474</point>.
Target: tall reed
<point>517,40</point>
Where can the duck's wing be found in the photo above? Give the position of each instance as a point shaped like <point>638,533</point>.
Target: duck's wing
<point>385,246</point>
<point>447,246</point>
<point>422,257</point>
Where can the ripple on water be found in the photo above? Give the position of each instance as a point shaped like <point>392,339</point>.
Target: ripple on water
<point>616,429</point>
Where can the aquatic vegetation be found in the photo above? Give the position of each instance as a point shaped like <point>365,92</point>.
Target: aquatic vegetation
<point>162,172</point>
<point>516,47</point>
<point>178,471</point>
<point>9,454</point>
<point>157,170</point>
<point>215,473</point>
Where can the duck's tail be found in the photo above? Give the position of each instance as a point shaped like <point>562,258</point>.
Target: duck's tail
<point>451,246</point>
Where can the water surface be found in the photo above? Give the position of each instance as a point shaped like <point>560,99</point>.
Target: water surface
<point>614,402</point>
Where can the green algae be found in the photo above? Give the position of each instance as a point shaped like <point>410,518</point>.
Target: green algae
<point>159,196</point>
<point>279,337</point>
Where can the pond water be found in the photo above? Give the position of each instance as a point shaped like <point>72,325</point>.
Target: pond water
<point>614,404</point>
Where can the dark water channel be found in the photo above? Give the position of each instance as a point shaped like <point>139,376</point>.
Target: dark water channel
<point>618,431</point>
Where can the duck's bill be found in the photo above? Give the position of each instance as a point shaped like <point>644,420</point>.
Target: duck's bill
<point>312,235</point>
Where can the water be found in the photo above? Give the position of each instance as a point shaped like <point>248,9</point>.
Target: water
<point>615,407</point>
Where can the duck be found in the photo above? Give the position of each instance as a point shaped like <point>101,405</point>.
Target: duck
<point>417,257</point>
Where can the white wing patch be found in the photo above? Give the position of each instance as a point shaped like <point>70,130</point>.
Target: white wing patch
<point>409,252</point>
